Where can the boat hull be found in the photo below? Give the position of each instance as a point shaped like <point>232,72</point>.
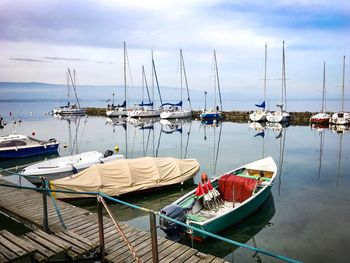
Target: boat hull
<point>29,151</point>
<point>119,112</point>
<point>320,118</point>
<point>234,216</point>
<point>211,116</point>
<point>258,116</point>
<point>143,113</point>
<point>176,114</point>
<point>278,116</point>
<point>340,118</point>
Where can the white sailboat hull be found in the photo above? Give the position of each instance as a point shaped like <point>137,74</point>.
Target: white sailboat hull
<point>142,113</point>
<point>340,118</point>
<point>176,114</point>
<point>278,116</point>
<point>258,115</point>
<point>117,112</point>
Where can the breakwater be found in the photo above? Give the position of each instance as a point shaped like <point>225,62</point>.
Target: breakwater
<point>297,118</point>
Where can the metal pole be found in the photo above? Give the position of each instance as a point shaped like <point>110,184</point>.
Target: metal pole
<point>153,228</point>
<point>100,228</point>
<point>205,100</point>
<point>45,218</point>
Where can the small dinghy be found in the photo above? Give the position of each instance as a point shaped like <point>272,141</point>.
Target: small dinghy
<point>68,165</point>
<point>18,146</point>
<point>217,205</point>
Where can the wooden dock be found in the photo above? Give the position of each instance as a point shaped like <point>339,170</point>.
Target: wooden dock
<point>82,234</point>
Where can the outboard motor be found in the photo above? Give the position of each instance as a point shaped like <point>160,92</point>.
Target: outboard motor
<point>172,229</point>
<point>108,153</point>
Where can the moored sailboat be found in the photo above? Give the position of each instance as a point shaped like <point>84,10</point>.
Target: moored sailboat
<point>119,110</point>
<point>173,111</point>
<point>322,117</point>
<point>260,115</point>
<point>281,115</point>
<point>216,112</point>
<point>341,117</point>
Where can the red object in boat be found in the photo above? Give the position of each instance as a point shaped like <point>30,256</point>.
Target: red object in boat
<point>210,186</point>
<point>200,190</point>
<point>205,188</point>
<point>242,188</point>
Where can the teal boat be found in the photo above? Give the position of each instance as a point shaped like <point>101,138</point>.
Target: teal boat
<point>227,200</point>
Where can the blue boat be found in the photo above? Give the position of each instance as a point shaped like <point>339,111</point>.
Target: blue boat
<point>18,146</point>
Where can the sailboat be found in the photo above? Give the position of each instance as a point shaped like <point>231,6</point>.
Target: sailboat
<point>341,117</point>
<point>216,112</point>
<point>70,109</point>
<point>119,110</point>
<point>260,115</point>
<point>144,109</point>
<point>173,112</point>
<point>322,117</point>
<point>281,115</point>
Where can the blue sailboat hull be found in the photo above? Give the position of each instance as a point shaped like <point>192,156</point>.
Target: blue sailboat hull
<point>30,151</point>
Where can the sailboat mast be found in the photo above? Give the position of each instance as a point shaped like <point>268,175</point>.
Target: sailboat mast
<point>68,87</point>
<point>124,72</point>
<point>181,79</point>
<point>217,79</point>
<point>324,88</point>
<point>265,73</point>
<point>73,84</point>
<point>144,82</point>
<point>152,83</point>
<point>343,86</point>
<point>155,75</point>
<point>284,82</point>
<point>185,76</point>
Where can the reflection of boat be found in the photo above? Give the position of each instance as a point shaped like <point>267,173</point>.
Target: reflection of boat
<point>18,146</point>
<point>173,111</point>
<point>242,192</point>
<point>127,176</point>
<point>319,126</point>
<point>322,117</point>
<point>257,126</point>
<point>119,110</point>
<point>321,152</point>
<point>214,113</point>
<point>242,232</point>
<point>142,122</point>
<point>281,115</point>
<point>71,109</point>
<point>260,115</point>
<point>277,127</point>
<point>65,166</point>
<point>341,118</point>
<point>339,128</point>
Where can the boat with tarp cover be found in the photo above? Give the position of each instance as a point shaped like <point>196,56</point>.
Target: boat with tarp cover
<point>125,176</point>
<point>227,200</point>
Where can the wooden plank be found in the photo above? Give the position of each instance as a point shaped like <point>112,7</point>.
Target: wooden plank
<point>12,247</point>
<point>168,250</point>
<point>116,244</point>
<point>46,252</point>
<point>7,253</point>
<point>2,258</point>
<point>87,226</point>
<point>209,259</point>
<point>73,241</point>
<point>18,241</point>
<point>194,258</point>
<point>185,256</point>
<point>45,243</point>
<point>176,254</point>
<point>52,239</point>
<point>80,238</point>
<point>164,245</point>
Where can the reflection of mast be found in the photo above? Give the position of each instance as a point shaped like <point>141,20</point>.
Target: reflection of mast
<point>188,139</point>
<point>282,137</point>
<point>339,157</point>
<point>321,153</point>
<point>217,149</point>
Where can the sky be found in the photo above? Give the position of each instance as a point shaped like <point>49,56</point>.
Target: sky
<point>40,39</point>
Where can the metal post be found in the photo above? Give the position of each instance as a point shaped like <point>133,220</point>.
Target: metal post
<point>100,228</point>
<point>45,218</point>
<point>153,228</point>
<point>205,100</point>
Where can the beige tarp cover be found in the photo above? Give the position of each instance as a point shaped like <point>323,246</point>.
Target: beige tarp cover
<point>127,175</point>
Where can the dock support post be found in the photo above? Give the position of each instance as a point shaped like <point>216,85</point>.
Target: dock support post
<point>45,218</point>
<point>100,228</point>
<point>153,229</point>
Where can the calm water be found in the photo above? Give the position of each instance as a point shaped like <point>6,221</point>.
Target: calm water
<point>307,215</point>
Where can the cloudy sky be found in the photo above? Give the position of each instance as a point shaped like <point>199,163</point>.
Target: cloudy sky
<point>39,39</point>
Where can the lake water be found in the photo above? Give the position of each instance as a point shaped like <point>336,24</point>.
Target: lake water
<point>306,217</point>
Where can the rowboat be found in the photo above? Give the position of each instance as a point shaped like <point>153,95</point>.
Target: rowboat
<point>18,146</point>
<point>227,200</point>
<point>65,166</point>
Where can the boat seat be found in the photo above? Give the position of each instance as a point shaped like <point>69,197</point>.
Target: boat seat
<point>196,218</point>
